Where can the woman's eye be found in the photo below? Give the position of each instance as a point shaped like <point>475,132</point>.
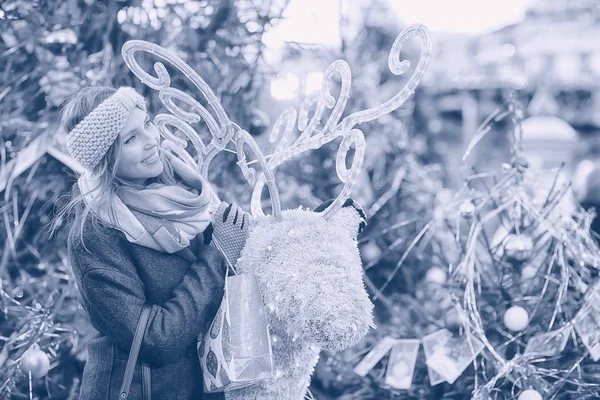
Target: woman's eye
<point>147,123</point>
<point>131,139</point>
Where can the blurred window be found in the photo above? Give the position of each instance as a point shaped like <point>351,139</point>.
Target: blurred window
<point>596,63</point>
<point>491,69</point>
<point>548,64</point>
<point>313,82</point>
<point>285,86</point>
<point>534,65</point>
<point>567,66</point>
<point>586,63</point>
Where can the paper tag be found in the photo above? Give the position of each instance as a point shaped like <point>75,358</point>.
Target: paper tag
<point>430,344</point>
<point>589,333</point>
<point>547,344</point>
<point>401,367</point>
<point>451,359</point>
<point>374,356</point>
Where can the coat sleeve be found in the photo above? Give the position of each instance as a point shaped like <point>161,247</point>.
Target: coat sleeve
<point>115,297</point>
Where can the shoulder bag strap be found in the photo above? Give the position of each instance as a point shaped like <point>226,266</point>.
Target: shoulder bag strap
<point>133,353</point>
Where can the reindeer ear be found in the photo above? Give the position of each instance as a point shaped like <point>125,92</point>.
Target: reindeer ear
<point>351,217</point>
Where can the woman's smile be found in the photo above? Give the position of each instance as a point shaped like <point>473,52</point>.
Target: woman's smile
<point>152,159</point>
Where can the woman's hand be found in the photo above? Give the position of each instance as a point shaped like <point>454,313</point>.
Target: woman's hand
<point>182,168</point>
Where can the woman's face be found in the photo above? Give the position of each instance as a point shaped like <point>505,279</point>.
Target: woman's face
<point>139,159</point>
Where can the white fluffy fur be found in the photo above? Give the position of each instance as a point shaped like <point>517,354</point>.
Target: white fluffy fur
<point>310,275</point>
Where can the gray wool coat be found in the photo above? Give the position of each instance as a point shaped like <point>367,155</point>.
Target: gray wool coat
<point>115,279</point>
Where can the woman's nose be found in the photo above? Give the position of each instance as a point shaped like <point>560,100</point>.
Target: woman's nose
<point>150,143</point>
<point>152,139</point>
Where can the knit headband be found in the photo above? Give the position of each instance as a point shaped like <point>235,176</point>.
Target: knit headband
<point>89,141</point>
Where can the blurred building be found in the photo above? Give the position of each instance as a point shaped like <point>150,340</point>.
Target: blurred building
<point>555,47</point>
<point>557,40</point>
<point>556,43</point>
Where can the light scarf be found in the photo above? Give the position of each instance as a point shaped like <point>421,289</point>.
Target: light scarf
<point>162,217</point>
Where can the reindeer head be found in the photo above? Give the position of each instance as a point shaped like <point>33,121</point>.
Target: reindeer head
<point>310,274</point>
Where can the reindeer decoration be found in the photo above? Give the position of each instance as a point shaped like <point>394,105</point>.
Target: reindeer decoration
<point>307,263</point>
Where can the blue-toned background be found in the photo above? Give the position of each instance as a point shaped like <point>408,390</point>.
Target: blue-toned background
<point>261,57</point>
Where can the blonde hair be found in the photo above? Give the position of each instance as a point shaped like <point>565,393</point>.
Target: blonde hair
<point>77,210</point>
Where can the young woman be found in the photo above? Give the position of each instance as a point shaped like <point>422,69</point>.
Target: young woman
<point>139,233</point>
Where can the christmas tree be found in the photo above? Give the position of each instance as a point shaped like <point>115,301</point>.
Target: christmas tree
<point>49,50</point>
<point>508,306</point>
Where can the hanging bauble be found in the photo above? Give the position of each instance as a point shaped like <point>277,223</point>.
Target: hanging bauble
<point>436,275</point>
<point>36,361</point>
<point>528,272</point>
<point>518,247</point>
<point>530,394</point>
<point>516,318</point>
<point>467,209</point>
<point>370,252</point>
<point>259,122</point>
<point>452,320</point>
<point>257,126</point>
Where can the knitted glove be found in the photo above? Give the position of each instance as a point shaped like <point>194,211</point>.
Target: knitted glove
<point>230,227</point>
<point>348,203</point>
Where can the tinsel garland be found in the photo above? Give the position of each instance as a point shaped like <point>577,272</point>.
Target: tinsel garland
<point>517,238</point>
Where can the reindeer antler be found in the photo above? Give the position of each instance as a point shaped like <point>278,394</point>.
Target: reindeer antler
<point>223,130</point>
<point>312,138</point>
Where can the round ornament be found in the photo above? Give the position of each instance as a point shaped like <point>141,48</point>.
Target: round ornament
<point>436,275</point>
<point>36,361</point>
<point>528,272</point>
<point>452,321</point>
<point>530,394</point>
<point>518,247</point>
<point>516,318</point>
<point>467,209</point>
<point>370,252</point>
